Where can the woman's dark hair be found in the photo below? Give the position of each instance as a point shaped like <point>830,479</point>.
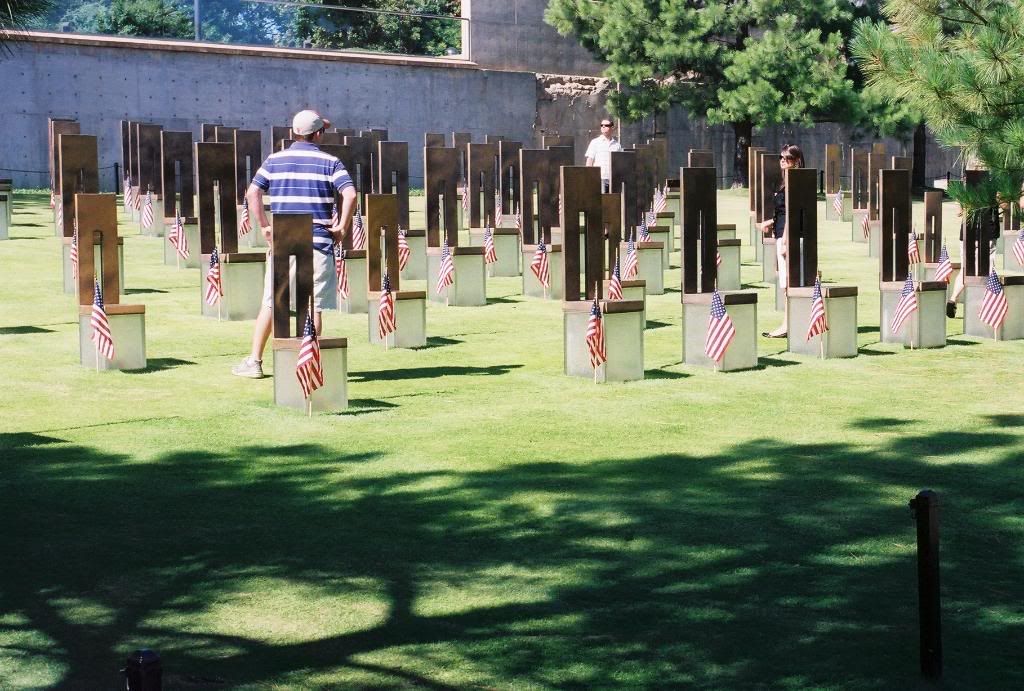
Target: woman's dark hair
<point>794,152</point>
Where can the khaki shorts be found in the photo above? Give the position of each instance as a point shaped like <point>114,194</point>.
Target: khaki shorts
<point>324,281</point>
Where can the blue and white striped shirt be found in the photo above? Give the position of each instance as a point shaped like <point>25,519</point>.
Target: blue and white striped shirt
<point>302,180</point>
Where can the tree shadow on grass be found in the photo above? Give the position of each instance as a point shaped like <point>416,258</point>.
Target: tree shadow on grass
<point>440,342</point>
<point>769,564</point>
<point>654,324</point>
<point>503,301</point>
<point>864,350</point>
<point>159,364</point>
<point>430,372</point>
<point>21,330</point>
<point>664,374</point>
<point>143,291</point>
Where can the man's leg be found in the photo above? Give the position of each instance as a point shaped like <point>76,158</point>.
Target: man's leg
<point>252,365</point>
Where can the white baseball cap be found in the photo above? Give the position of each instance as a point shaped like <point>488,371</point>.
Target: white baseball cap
<point>308,122</point>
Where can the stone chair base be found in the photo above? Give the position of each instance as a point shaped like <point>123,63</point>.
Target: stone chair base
<point>926,328</point>
<point>242,278</point>
<point>624,340</point>
<point>531,286</point>
<point>410,319</point>
<point>840,341</point>
<point>128,331</point>
<point>506,246</point>
<point>330,397</point>
<point>729,269</point>
<point>470,286</point>
<point>171,258</point>
<point>742,309</point>
<point>1013,326</point>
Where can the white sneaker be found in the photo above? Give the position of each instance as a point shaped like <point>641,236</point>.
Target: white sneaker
<point>253,369</point>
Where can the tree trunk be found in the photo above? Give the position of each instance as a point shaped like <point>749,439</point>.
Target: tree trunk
<point>744,132</point>
<point>920,159</point>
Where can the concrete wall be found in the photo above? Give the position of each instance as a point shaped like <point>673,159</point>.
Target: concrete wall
<point>512,35</point>
<point>102,81</point>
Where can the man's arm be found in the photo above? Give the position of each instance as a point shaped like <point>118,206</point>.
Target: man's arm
<point>254,198</point>
<point>348,205</point>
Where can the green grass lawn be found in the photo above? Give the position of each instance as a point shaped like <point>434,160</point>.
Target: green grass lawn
<point>476,519</point>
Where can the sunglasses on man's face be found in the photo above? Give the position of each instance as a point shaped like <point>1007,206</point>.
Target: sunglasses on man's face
<point>606,124</point>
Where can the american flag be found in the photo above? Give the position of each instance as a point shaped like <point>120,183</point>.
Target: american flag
<point>358,232</point>
<point>645,234</point>
<point>865,226</point>
<point>341,271</point>
<point>178,238</point>
<point>660,200</point>
<point>386,310</point>
<point>539,265</point>
<point>631,267</point>
<point>136,199</point>
<point>465,199</point>
<point>53,198</point>
<point>615,284</point>
<point>905,307</point>
<point>837,201</point>
<point>308,368</point>
<point>718,259</point>
<point>913,251</point>
<point>334,214</point>
<point>652,218</point>
<point>818,323</point>
<point>244,224</point>
<point>127,193</point>
<point>100,325</point>
<point>498,211</point>
<point>59,216</point>
<point>147,212</point>
<point>1018,248</point>
<point>73,252</point>
<point>519,219</point>
<point>404,252</point>
<point>720,329</point>
<point>446,271</point>
<point>944,269</point>
<point>595,337</point>
<point>490,254</point>
<point>561,203</point>
<point>214,285</point>
<point>993,307</point>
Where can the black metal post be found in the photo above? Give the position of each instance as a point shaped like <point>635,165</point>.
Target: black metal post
<point>926,514</point>
<point>821,182</point>
<point>117,177</point>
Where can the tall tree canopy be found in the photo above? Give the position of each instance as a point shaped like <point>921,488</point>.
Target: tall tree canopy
<point>743,62</point>
<point>961,64</point>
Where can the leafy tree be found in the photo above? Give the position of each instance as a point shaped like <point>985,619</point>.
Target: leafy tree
<point>388,33</point>
<point>20,14</point>
<point>155,18</point>
<point>961,64</point>
<point>743,62</point>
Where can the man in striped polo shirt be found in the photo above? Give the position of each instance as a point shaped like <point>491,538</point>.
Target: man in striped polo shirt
<point>302,179</point>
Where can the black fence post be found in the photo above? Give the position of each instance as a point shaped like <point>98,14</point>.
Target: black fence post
<point>926,514</point>
<point>821,182</point>
<point>117,177</point>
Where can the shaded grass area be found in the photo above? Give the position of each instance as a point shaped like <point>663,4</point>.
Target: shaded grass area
<point>476,519</point>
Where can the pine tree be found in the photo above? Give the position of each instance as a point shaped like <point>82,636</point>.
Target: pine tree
<point>961,64</point>
<point>743,62</point>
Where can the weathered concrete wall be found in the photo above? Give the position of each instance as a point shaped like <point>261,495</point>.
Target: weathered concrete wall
<point>99,82</point>
<point>512,35</point>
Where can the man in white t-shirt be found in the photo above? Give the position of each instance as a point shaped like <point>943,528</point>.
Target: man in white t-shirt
<point>599,153</point>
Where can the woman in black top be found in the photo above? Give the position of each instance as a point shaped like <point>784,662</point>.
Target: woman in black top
<point>790,157</point>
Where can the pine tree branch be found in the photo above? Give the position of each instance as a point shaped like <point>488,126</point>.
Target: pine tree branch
<point>981,20</point>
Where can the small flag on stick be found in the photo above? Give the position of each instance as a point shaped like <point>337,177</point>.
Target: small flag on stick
<point>913,251</point>
<point>244,224</point>
<point>214,285</point>
<point>539,265</point>
<point>905,307</point>
<point>631,266</point>
<point>446,271</point>
<point>720,329</point>
<point>341,272</point>
<point>73,252</point>
<point>490,253</point>
<point>595,336</point>
<point>308,368</point>
<point>994,307</point>
<point>386,310</point>
<point>818,323</point>
<point>837,201</point>
<point>101,335</point>
<point>1018,248</point>
<point>404,251</point>
<point>615,284</point>
<point>944,269</point>
<point>147,212</point>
